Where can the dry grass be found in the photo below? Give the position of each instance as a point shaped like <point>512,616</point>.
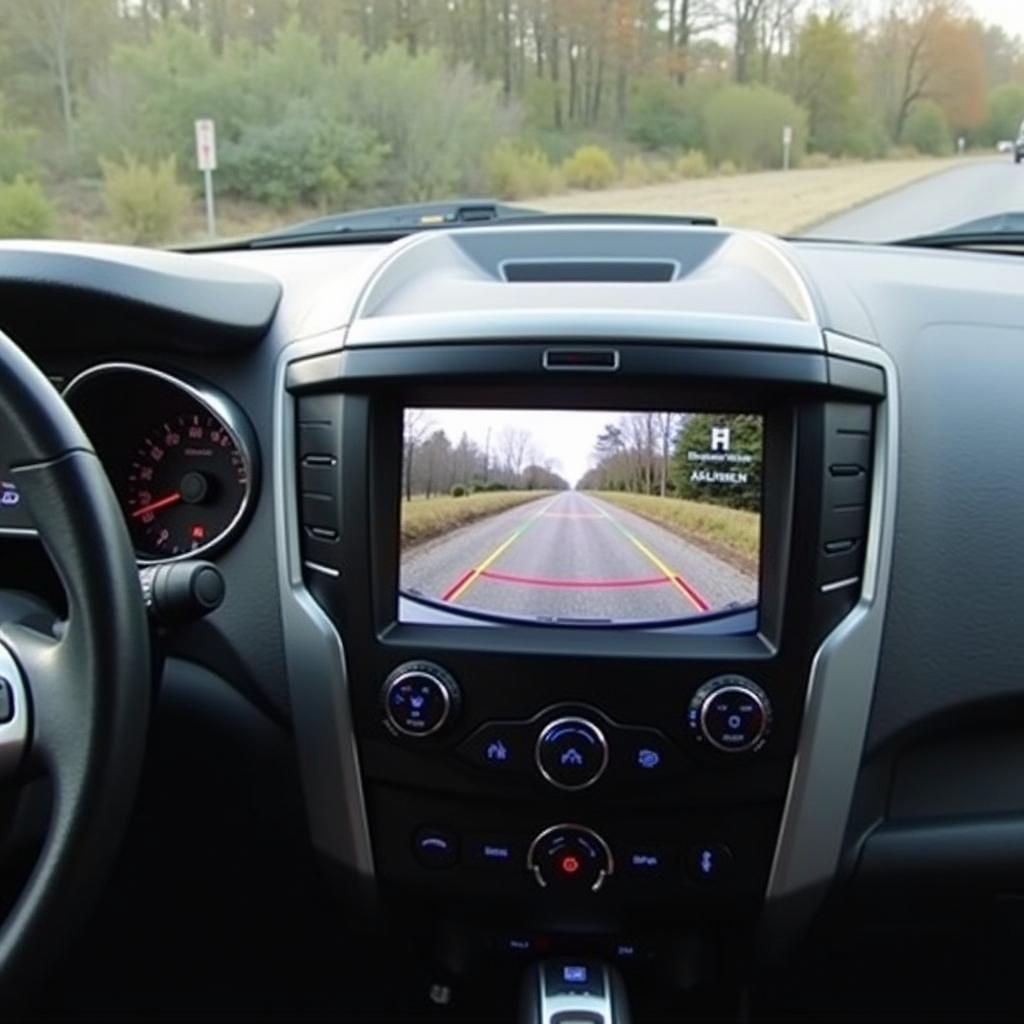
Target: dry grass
<point>780,202</point>
<point>731,533</point>
<point>424,518</point>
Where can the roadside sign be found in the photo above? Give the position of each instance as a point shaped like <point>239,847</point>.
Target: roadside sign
<point>206,144</point>
<point>206,158</point>
<point>787,141</point>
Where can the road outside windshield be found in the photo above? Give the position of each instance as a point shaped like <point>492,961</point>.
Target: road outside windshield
<point>168,122</point>
<point>574,516</point>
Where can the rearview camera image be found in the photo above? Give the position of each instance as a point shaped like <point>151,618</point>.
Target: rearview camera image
<point>581,517</point>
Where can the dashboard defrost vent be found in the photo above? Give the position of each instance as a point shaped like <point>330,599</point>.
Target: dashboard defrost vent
<point>603,270</point>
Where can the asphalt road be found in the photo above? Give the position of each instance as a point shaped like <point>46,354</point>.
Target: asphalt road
<point>977,189</point>
<point>574,557</point>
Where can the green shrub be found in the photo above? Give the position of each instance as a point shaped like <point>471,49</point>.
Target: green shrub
<point>15,145</point>
<point>304,157</point>
<point>515,171</point>
<point>25,212</point>
<point>458,491</point>
<point>144,202</point>
<point>743,123</point>
<point>1004,111</point>
<point>663,115</point>
<point>639,170</point>
<point>727,169</point>
<point>693,164</point>
<point>927,130</point>
<point>590,167</point>
<point>495,485</point>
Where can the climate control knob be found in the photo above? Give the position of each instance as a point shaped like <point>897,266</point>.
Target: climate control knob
<point>731,713</point>
<point>420,698</point>
<point>571,753</point>
<point>571,858</point>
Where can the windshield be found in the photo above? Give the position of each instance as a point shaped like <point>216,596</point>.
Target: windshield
<point>168,122</point>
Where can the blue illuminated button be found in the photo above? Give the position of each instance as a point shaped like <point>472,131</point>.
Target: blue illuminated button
<point>571,753</point>
<point>709,862</point>
<point>575,974</point>
<point>496,851</point>
<point>642,756</point>
<point>647,860</point>
<point>435,847</point>
<point>419,698</point>
<point>499,747</point>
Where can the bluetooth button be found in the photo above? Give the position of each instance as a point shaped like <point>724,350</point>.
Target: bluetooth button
<point>708,863</point>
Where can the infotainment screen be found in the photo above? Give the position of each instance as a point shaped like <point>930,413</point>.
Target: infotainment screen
<point>581,517</point>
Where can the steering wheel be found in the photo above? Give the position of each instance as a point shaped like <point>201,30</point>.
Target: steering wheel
<point>81,693</point>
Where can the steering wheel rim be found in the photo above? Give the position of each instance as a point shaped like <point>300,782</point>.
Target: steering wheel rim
<point>85,694</point>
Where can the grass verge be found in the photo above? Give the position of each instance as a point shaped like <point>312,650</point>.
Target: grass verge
<point>732,534</point>
<point>424,518</point>
<point>780,202</point>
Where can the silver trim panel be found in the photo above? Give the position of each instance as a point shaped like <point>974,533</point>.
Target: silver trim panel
<point>315,659</point>
<point>569,1006</point>
<point>216,404</point>
<point>13,734</point>
<point>838,702</point>
<point>828,588</point>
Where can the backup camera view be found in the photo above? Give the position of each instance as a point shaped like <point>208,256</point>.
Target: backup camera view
<point>572,516</point>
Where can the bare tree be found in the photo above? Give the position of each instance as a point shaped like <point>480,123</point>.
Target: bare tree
<point>417,426</point>
<point>513,443</point>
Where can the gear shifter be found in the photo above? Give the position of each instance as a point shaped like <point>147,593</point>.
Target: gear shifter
<point>573,991</point>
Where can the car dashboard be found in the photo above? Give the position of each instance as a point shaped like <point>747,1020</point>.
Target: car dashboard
<point>693,803</point>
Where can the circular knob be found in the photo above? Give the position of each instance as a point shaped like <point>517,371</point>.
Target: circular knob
<point>570,858</point>
<point>419,698</point>
<point>571,753</point>
<point>731,713</point>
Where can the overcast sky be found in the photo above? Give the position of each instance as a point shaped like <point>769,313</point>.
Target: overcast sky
<point>1007,14</point>
<point>566,437</point>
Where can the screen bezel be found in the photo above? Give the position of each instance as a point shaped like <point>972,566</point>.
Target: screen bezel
<point>382,413</point>
<point>714,620</point>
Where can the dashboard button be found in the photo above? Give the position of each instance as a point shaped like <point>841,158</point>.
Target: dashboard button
<point>435,847</point>
<point>731,713</point>
<point>643,756</point>
<point>499,746</point>
<point>708,862</point>
<point>419,698</point>
<point>570,858</point>
<point>645,860</point>
<point>571,753</point>
<point>502,852</point>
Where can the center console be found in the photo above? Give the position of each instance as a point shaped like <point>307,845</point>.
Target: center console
<point>543,782</point>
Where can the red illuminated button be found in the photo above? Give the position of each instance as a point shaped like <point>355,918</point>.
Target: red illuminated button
<point>570,857</point>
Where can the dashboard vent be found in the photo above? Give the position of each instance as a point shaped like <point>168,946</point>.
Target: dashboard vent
<point>620,271</point>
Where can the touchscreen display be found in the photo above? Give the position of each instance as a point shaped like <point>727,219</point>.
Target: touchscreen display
<point>603,518</point>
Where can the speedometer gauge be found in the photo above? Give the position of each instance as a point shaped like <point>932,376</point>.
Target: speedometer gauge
<point>181,455</point>
<point>186,484</point>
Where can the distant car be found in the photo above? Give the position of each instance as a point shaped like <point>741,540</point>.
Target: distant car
<point>1004,146</point>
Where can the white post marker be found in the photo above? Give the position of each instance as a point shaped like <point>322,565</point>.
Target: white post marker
<point>787,141</point>
<point>206,158</point>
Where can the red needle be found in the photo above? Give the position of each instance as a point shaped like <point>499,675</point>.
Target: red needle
<point>154,505</point>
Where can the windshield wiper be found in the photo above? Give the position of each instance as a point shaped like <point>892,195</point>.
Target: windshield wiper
<point>389,223</point>
<point>1003,232</point>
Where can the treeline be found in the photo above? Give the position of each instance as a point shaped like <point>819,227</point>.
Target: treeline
<point>649,453</point>
<point>338,103</point>
<point>509,460</point>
